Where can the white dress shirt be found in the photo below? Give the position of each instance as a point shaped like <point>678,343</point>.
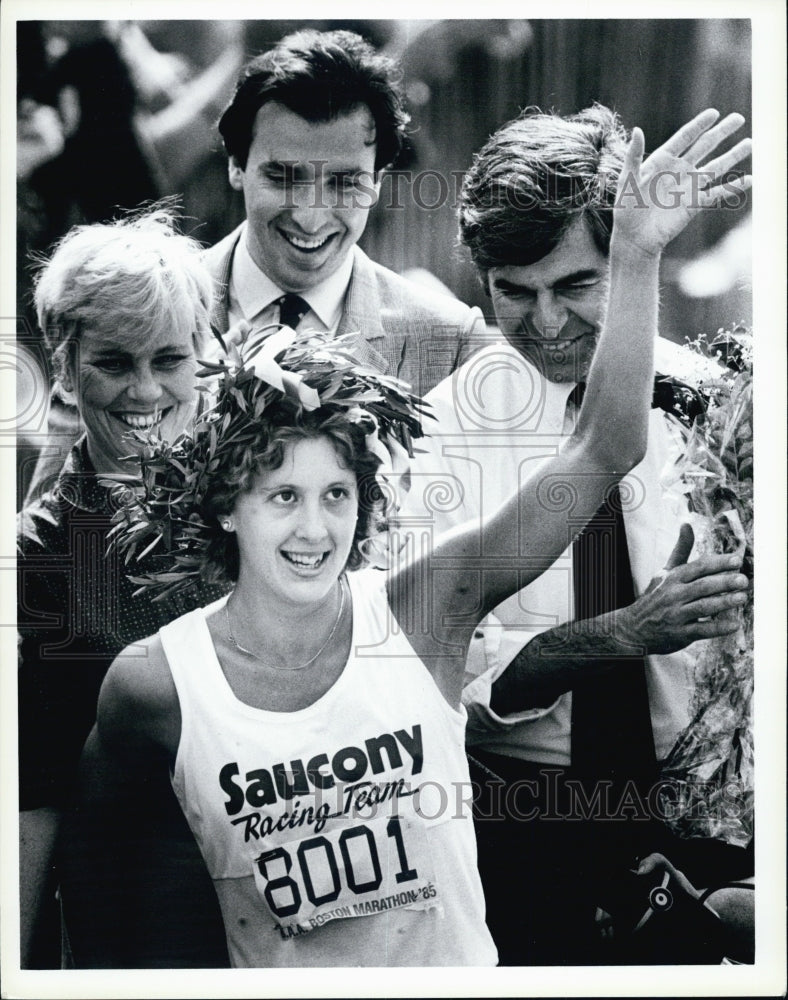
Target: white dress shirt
<point>254,297</point>
<point>498,422</point>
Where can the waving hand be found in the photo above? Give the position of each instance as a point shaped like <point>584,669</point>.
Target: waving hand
<point>657,197</point>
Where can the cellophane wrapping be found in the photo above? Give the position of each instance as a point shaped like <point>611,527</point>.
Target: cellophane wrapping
<point>708,775</point>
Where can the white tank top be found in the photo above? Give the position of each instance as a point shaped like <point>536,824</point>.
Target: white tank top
<point>339,834</point>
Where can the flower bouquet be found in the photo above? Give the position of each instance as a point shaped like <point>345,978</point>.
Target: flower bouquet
<point>708,775</point>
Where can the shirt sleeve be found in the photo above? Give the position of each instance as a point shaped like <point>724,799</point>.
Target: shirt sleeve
<point>492,650</point>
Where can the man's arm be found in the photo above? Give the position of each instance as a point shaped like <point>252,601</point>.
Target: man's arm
<point>678,608</point>
<point>551,663</point>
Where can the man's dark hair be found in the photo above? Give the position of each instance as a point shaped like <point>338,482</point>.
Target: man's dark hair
<point>534,177</point>
<point>319,76</point>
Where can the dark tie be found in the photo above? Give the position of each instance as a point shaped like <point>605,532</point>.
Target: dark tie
<point>611,722</point>
<point>292,309</point>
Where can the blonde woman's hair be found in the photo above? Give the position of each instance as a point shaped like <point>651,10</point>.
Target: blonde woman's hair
<point>137,274</point>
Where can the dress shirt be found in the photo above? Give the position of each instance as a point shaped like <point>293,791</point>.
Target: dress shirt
<point>254,297</point>
<point>498,422</point>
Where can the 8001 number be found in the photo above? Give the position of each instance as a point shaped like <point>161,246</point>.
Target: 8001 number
<point>317,857</point>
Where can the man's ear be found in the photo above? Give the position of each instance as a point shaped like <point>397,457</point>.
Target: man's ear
<point>235,174</point>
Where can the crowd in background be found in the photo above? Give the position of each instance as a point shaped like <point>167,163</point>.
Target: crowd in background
<point>147,94</point>
<point>115,113</point>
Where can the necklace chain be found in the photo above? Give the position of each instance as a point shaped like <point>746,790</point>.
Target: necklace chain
<point>311,660</point>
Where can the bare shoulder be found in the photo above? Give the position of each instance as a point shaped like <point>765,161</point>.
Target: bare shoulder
<point>138,699</point>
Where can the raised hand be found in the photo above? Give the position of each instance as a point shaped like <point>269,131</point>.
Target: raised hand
<point>685,602</point>
<point>656,198</point>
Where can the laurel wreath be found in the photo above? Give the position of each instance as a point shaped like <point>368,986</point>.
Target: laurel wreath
<point>161,517</point>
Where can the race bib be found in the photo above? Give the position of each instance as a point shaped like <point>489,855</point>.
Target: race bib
<point>352,869</point>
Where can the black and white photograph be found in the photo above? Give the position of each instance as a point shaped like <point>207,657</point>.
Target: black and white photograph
<point>387,403</point>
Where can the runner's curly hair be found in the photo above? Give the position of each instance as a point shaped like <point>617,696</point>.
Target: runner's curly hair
<point>240,464</point>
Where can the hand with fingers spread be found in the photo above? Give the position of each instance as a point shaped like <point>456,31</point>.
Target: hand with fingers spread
<point>687,602</point>
<point>656,198</point>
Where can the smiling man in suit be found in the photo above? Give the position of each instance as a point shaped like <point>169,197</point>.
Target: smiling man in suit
<point>311,127</point>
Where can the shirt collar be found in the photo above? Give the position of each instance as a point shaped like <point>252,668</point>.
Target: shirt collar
<point>555,394</point>
<point>683,401</point>
<point>253,289</point>
<point>78,483</point>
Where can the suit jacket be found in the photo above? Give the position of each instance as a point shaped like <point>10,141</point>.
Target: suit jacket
<point>404,330</point>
